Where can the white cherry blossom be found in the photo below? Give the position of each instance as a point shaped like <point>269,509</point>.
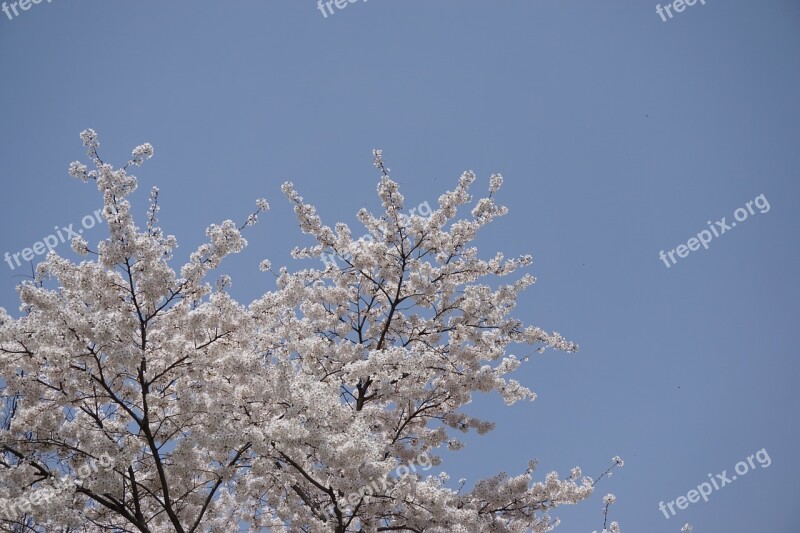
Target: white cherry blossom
<point>279,412</point>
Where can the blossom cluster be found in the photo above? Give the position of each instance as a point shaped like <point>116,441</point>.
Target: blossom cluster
<point>272,413</point>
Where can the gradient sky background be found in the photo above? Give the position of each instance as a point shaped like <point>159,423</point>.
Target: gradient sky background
<point>619,135</point>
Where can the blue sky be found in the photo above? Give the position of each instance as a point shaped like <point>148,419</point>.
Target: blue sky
<point>618,134</point>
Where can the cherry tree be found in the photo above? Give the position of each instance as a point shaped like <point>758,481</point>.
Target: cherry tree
<point>141,398</point>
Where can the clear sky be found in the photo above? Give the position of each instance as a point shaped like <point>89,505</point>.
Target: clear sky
<point>618,134</point>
